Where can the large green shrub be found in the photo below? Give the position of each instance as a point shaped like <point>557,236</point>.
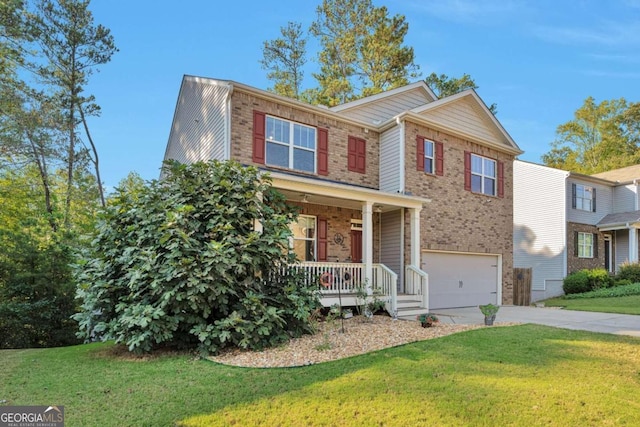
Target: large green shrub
<point>629,271</point>
<point>587,280</point>
<point>37,294</point>
<point>599,278</point>
<point>182,262</point>
<point>576,283</point>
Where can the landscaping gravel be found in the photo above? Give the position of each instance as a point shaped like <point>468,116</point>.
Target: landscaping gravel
<point>360,336</point>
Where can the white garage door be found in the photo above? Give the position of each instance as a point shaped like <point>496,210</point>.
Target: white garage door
<point>461,280</point>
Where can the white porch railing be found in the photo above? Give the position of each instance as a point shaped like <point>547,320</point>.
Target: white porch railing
<point>346,278</point>
<point>416,282</point>
<point>387,282</point>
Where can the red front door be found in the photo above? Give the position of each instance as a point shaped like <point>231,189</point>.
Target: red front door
<point>356,246</point>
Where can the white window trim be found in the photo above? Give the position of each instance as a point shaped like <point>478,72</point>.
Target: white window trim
<point>483,176</point>
<point>427,157</point>
<point>291,144</point>
<point>585,247</point>
<point>307,239</point>
<point>580,201</point>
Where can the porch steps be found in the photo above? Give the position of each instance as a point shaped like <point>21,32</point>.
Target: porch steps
<point>409,306</point>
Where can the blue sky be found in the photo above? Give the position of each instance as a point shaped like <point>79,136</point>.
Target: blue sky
<point>538,60</point>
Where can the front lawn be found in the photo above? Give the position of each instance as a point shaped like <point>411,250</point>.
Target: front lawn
<point>629,304</point>
<point>522,375</point>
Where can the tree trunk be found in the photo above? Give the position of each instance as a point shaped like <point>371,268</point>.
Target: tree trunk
<point>95,157</point>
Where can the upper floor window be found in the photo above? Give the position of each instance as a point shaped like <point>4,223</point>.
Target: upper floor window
<point>583,197</point>
<point>430,156</point>
<point>483,175</point>
<point>585,245</point>
<point>283,143</point>
<point>290,145</point>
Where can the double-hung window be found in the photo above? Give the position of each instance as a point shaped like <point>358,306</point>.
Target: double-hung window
<point>290,145</point>
<point>429,157</point>
<point>483,175</point>
<point>585,245</point>
<point>304,238</point>
<point>584,197</point>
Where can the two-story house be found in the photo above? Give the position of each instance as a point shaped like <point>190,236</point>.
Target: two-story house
<point>565,222</point>
<point>400,191</point>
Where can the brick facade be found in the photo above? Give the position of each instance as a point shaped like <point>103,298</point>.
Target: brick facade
<point>456,219</point>
<point>574,263</point>
<point>339,222</point>
<point>242,134</point>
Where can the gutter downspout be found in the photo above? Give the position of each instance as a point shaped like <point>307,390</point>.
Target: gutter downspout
<point>227,124</point>
<point>400,123</point>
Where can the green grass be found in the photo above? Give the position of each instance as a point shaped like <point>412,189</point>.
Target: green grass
<point>523,375</point>
<point>623,305</point>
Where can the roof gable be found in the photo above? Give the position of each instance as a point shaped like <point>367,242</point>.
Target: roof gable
<point>381,107</point>
<point>466,114</point>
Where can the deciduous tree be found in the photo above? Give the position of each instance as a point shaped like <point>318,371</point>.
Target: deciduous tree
<point>602,136</point>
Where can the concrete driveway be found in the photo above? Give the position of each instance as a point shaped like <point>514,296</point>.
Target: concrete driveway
<point>620,324</point>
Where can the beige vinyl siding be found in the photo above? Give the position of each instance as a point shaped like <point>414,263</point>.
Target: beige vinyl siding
<point>384,109</point>
<point>199,130</point>
<point>625,198</point>
<point>390,161</point>
<point>391,244</point>
<point>604,202</point>
<point>466,117</point>
<point>539,223</point>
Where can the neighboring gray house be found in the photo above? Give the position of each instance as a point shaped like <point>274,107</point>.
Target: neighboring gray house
<point>564,222</point>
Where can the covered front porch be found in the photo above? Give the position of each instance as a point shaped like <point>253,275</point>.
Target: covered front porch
<point>349,237</point>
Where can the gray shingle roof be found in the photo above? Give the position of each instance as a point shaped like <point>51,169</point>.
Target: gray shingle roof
<point>619,218</point>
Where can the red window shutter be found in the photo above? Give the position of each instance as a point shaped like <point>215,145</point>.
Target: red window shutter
<point>439,158</point>
<point>361,155</point>
<point>467,171</point>
<point>259,131</point>
<point>500,179</point>
<point>352,154</point>
<point>420,153</point>
<point>356,154</point>
<point>323,151</point>
<point>322,239</point>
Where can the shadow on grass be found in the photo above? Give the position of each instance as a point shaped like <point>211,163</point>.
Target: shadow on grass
<point>536,372</point>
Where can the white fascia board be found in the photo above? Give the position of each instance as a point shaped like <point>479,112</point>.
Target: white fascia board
<point>346,192</point>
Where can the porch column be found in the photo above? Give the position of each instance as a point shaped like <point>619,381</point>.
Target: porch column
<point>633,244</point>
<point>367,244</point>
<point>415,237</point>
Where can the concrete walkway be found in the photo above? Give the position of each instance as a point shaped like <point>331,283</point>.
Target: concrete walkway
<point>620,324</point>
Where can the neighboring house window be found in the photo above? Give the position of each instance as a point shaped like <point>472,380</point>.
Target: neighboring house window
<point>585,242</point>
<point>583,197</point>
<point>430,156</point>
<point>304,238</point>
<point>357,155</point>
<point>483,175</point>
<point>283,143</point>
